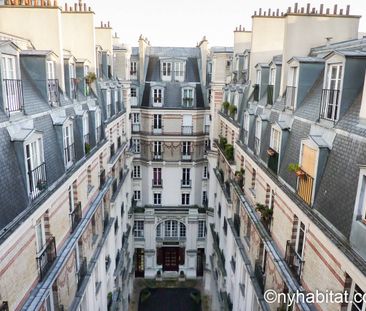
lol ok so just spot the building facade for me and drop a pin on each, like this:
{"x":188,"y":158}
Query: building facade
{"x":240,"y":166}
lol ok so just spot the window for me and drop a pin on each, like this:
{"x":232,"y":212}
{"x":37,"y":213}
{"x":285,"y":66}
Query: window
{"x":133,"y":68}
{"x":157,"y":122}
{"x":71,"y":199}
{"x":13,"y":96}
{"x":69,"y":153}
{"x":187,"y":97}
{"x":258,"y":77}
{"x":50,"y":70}
{"x":300,"y":240}
{"x":331,"y":95}
{"x":40,"y":235}
{"x":137,"y":195}
{"x":157,"y":94}
{"x":246,"y":128}
{"x":157,"y":198}
{"x":187,"y":126}
{"x":186,"y":150}
{"x":35,"y":167}
{"x":186,"y":177}
{"x":209,"y":94}
{"x":258,"y":134}
{"x":205,"y":172}
{"x":98,"y":124}
{"x":133,"y":92}
{"x":201,"y":228}
{"x":157,"y":176}
{"x":136,"y":171}
{"x":185,"y":198}
{"x":166,"y":71}
{"x":204,"y":198}
{"x":136,"y":145}
{"x":275,"y":139}
{"x":138,"y":228}
{"x":136,"y":118}
{"x":133,"y":96}
{"x":8,"y":66}
{"x":171,"y":228}
{"x":86,"y":129}
{"x":157,"y":150}
{"x":358,"y":302}
{"x":272,"y":76}
{"x":182,"y":230}
{"x":179,"y":71}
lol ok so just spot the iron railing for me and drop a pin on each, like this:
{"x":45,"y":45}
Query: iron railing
{"x":37,"y":181}
{"x":305,"y":187}
{"x":270,"y":95}
{"x":157,"y":156}
{"x":53,"y":92}
{"x":46,"y":257}
{"x":186,"y":183}
{"x":82,"y":271}
{"x":290,"y":97}
{"x":112,"y":150}
{"x":13,"y":95}
{"x":293,"y":260}
{"x":157,"y":183}
{"x":329,"y":104}
{"x":186,"y":157}
{"x":187,"y":130}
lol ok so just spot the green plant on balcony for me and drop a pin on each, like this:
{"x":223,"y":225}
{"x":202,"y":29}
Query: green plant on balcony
{"x":225,"y":106}
{"x":229,"y":152}
{"x":90,"y":78}
{"x":41,"y":185}
{"x":87,"y":148}
{"x":296,"y":168}
{"x":222,"y":142}
{"x":266,"y":213}
{"x":239,"y":177}
{"x":232,"y":110}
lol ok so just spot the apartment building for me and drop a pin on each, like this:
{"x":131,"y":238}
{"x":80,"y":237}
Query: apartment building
{"x":65,"y":233}
{"x":288,"y":202}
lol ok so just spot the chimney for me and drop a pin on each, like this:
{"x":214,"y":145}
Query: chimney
{"x":328,"y":11}
{"x":341,"y":12}
{"x":75,"y":7}
{"x":363,"y":104}
{"x":321,"y":8}
{"x":347,"y":10}
{"x":84,"y":7}
{"x":260,"y":11}
{"x":80,"y":5}
{"x":335,"y":9}
{"x":295,"y":7}
{"x":101,"y":24}
{"x":66,"y":7}
{"x":308,"y":8}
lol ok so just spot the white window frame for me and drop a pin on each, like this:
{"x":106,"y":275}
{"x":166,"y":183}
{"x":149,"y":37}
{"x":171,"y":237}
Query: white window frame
{"x":137,"y":195}
{"x":188,"y":94}
{"x":300,"y":229}
{"x":51,"y":70}
{"x":136,"y":147}
{"x":276,"y":144}
{"x":334,"y":84}
{"x":98,"y":124}
{"x":272,"y":76}
{"x":34,"y":160}
{"x":139,"y":229}
{"x":157,"y":96}
{"x":68,"y":140}
{"x":258,"y":76}
{"x":166,"y":70}
{"x":186,"y":198}
{"x":133,"y":68}
{"x":157,"y":198}
{"x":202,"y":230}
{"x":186,"y":150}
{"x":179,"y":70}
{"x":359,"y":298}
{"x":136,"y":171}
{"x":246,"y":127}
{"x":40,"y":240}
{"x":258,"y":135}
{"x":205,"y":172}
{"x":9,"y":61}
{"x":157,"y":123}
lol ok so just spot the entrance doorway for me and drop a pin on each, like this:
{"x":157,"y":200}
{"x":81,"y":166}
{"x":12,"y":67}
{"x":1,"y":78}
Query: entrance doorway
{"x":200,"y":261}
{"x":170,"y":258}
{"x":140,"y":262}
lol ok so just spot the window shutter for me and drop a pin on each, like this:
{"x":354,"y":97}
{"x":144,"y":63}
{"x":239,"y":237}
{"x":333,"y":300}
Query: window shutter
{"x":308,"y":160}
{"x":159,"y":255}
{"x":182,"y":252}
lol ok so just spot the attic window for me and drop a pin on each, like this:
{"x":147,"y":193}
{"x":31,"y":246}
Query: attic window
{"x":258,"y":134}
{"x":179,"y":70}
{"x":157,"y":97}
{"x":166,"y":71}
{"x":275,"y":139}
{"x":35,"y":166}
{"x":246,"y":128}
{"x":188,"y":97}
{"x":133,"y":68}
{"x":69,"y":146}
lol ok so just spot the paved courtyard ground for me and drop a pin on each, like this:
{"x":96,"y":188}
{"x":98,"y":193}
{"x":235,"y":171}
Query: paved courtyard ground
{"x":170,"y":299}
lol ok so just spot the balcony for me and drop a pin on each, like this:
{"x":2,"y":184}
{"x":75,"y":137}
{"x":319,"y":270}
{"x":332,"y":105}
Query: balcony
{"x":256,"y":92}
{"x":53,"y":92}
{"x":187,"y":130}
{"x":290,"y":97}
{"x":293,"y":260}
{"x":186,"y":157}
{"x":46,"y":257}
{"x":186,"y":183}
{"x":135,"y":128}
{"x":73,"y":88}
{"x":259,"y":274}
{"x":82,"y":271}
{"x":207,"y":129}
{"x":102,"y":179}
{"x":305,"y":187}
{"x":157,"y":156}
{"x":329,"y":104}
{"x":270,"y":95}
{"x":157,"y":183}
{"x":157,"y":130}
{"x":76,"y":216}
{"x":69,"y":154}
{"x":14,"y":100}
{"x":37,"y":181}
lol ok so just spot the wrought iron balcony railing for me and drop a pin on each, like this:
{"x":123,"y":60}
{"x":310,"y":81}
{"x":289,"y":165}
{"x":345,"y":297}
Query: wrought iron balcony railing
{"x":157,"y":183}
{"x":37,"y":181}
{"x":293,"y":260}
{"x":329,"y":104}
{"x":187,"y":130}
{"x":76,"y":216}
{"x":46,"y":257}
{"x":14,"y":100}
{"x":186,"y":183}
{"x":290,"y":97}
{"x":53,"y":92}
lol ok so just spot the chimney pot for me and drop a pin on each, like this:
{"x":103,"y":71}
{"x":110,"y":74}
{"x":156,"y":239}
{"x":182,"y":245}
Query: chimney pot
{"x":321,"y":8}
{"x":347,"y":10}
{"x":264,"y":13}
{"x":84,"y":7}
{"x":260,"y":11}
{"x":48,"y":3}
{"x":71,"y":10}
{"x":335,"y":9}
{"x":269,"y":12}
{"x":277,"y":12}
{"x":308,"y":8}
{"x":255,"y":13}
{"x":327,"y":11}
{"x":101,"y":24}
{"x":302,"y":10}
{"x":75,"y":7}
{"x":273,"y":13}
{"x":313,"y":11}
{"x":65,"y":7}
{"x":89,"y":9}
{"x":295,"y":7}
{"x":109,"y":24}
{"x":289,"y":9}
{"x":341,"y":12}
{"x":42,"y":3}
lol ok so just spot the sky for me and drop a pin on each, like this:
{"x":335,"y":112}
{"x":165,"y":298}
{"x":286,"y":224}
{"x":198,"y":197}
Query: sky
{"x":184,"y":23}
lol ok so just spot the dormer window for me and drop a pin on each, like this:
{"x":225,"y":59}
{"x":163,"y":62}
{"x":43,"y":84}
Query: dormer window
{"x":73,"y":81}
{"x":35,"y":166}
{"x":188,"y":97}
{"x":133,"y":96}
{"x":108,"y":103}
{"x":69,"y":148}
{"x":12,"y":86}
{"x":157,"y":97}
{"x":133,"y":68}
{"x":271,"y":86}
{"x":86,"y":137}
{"x":258,"y":135}
{"x":98,"y":126}
{"x":331,"y":93}
{"x":179,"y":69}
{"x":275,"y":139}
{"x":291,"y":89}
{"x":274,"y":149}
{"x":246,"y":128}
{"x":257,"y":84}
{"x":166,"y":71}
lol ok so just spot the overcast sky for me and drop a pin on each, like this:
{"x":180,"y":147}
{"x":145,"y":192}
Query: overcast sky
{"x":184,"y":22}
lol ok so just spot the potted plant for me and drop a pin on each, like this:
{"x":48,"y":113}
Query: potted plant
{"x":41,"y":185}
{"x":225,"y":106}
{"x":266,"y":213}
{"x":222,"y":142}
{"x":229,"y":152}
{"x":296,"y":168}
{"x":232,"y":110}
{"x":90,"y":78}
